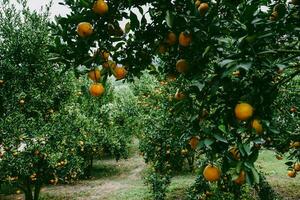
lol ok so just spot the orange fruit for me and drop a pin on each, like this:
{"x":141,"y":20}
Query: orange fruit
{"x":241,"y":179}
{"x":94,"y":75}
{"x":171,"y":38}
{"x":162,"y":48}
{"x":120,"y":73}
{"x":194,"y":141}
{"x":279,"y":157}
{"x":297,"y":167}
{"x":203,"y":8}
{"x":179,"y":95}
{"x":1,"y":82}
{"x":211,"y":173}
{"x":22,"y":101}
{"x":97,"y":89}
{"x":293,"y":109}
{"x":256,"y":124}
{"x":235,"y":153}
{"x":185,"y":39}
{"x":274,"y":16}
{"x":105,"y":55}
{"x":296,"y":144}
{"x":100,"y":7}
{"x":184,"y":152}
{"x":292,"y":173}
{"x":182,"y":66}
{"x":243,"y":111}
{"x":197,"y":3}
{"x":84,"y":29}
{"x":105,"y":65}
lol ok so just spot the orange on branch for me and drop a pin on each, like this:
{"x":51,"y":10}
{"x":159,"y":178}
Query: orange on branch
{"x":171,"y":38}
{"x":211,"y":173}
{"x":100,"y":7}
{"x":97,"y":89}
{"x":297,"y":167}
{"x":84,"y":29}
{"x":235,"y":153}
{"x":120,"y":73}
{"x":194,"y":141}
{"x":292,"y":173}
{"x":243,"y":111}
{"x":256,"y":124}
{"x":203,"y":8}
{"x":197,"y":3}
{"x":185,"y":39}
{"x":94,"y":75}
{"x":179,"y":95}
{"x":241,"y":178}
{"x":182,"y":66}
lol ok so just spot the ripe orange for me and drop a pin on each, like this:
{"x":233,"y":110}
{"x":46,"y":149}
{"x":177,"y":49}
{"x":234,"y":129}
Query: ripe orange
{"x":105,"y":65}
{"x":211,"y":173}
{"x":297,"y":167}
{"x":256,"y":124}
{"x":197,"y":3}
{"x":100,"y":7}
{"x":1,"y":82}
{"x":97,"y":89}
{"x":292,"y":173}
{"x":241,"y":179}
{"x":235,"y":153}
{"x":94,"y":75}
{"x":296,"y":144}
{"x":171,"y":38}
{"x":179,"y":95}
{"x":243,"y":111}
{"x":274,"y":16}
{"x":185,"y":39}
{"x":105,"y":55}
{"x":182,"y":66}
{"x":279,"y":157}
{"x":194,"y":141}
{"x":184,"y":152}
{"x":112,"y":64}
{"x":120,"y":73}
{"x":22,"y":101}
{"x":293,"y":109}
{"x":162,"y":48}
{"x":84,"y":29}
{"x":203,"y":8}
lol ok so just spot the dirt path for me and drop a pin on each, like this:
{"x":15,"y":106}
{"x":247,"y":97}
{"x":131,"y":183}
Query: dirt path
{"x":109,"y":177}
{"x":122,"y":175}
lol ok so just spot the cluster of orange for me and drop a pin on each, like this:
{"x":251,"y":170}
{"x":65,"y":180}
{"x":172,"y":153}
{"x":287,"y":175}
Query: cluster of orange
{"x":85,"y":29}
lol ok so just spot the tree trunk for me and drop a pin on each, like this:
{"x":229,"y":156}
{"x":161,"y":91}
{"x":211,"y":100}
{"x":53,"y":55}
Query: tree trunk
{"x":28,"y":193}
{"x":37,"y":190}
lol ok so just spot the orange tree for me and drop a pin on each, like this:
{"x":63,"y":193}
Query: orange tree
{"x":230,"y":59}
{"x":49,"y":133}
{"x":33,"y":147}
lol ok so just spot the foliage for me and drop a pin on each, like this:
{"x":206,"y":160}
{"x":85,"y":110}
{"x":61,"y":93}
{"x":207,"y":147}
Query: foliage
{"x":51,"y":128}
{"x":240,"y":51}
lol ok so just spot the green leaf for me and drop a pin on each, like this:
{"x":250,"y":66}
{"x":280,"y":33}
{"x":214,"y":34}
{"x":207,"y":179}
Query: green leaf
{"x":222,"y":128}
{"x":255,"y":175}
{"x":247,"y":149}
{"x":208,"y":142}
{"x":169,"y":19}
{"x":220,"y":138}
{"x":134,"y":21}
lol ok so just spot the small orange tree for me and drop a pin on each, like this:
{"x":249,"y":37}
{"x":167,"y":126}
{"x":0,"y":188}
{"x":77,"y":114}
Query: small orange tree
{"x":228,"y":57}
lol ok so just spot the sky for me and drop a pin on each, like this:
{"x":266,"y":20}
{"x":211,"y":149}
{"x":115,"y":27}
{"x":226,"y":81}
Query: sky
{"x":56,"y":9}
